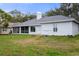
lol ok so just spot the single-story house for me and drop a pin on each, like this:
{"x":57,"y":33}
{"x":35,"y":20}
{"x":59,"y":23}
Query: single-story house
{"x":52,"y":25}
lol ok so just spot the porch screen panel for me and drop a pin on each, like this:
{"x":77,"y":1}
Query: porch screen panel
{"x":24,"y":30}
{"x":15,"y":29}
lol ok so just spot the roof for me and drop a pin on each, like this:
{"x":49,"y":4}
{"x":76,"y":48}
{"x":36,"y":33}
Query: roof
{"x":33,"y":22}
{"x":14,"y":24}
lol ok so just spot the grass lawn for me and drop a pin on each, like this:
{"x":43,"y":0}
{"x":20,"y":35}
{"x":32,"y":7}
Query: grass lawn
{"x":30,"y":45}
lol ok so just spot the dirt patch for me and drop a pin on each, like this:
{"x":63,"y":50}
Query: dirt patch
{"x":42,"y":43}
{"x":27,"y":41}
{"x":56,"y":45}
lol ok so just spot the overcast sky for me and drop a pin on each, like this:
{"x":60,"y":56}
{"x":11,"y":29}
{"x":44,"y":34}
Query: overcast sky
{"x":29,"y":7}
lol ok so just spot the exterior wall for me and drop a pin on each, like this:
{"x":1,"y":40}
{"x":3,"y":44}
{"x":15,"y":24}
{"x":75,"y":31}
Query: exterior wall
{"x":13,"y":31}
{"x":37,"y":30}
{"x":64,"y":28}
{"x":19,"y":31}
{"x":7,"y":31}
{"x":75,"y":28}
{"x":47,"y":29}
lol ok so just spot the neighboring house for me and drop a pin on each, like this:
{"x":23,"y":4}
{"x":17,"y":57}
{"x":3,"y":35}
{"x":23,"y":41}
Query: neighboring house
{"x":7,"y":30}
{"x":52,"y":25}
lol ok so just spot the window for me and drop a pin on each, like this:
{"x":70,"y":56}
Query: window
{"x":32,"y":29}
{"x":4,"y":29}
{"x":15,"y":29}
{"x":24,"y":29}
{"x":55,"y":28}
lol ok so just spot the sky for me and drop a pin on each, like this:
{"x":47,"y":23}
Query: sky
{"x":29,"y":7}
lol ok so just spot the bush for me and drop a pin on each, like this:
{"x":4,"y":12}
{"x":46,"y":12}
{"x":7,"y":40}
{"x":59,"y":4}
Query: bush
{"x":70,"y":36}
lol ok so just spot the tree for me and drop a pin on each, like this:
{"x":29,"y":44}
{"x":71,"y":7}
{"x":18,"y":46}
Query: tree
{"x":32,"y":16}
{"x":17,"y":16}
{"x":20,"y":17}
{"x":28,"y":17}
{"x":53,"y":12}
{"x":70,"y":9}
{"x":66,"y":9}
{"x":5,"y":18}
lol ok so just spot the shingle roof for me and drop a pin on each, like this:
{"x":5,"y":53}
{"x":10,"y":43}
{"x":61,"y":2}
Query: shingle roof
{"x":14,"y":24}
{"x":58,"y":18}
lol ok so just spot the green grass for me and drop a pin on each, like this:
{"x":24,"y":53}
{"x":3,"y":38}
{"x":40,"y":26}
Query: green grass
{"x":31,"y":45}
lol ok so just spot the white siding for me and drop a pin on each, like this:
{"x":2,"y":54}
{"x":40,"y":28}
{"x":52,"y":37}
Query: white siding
{"x":75,"y":28}
{"x":37,"y":30}
{"x":64,"y":28}
{"x":6,"y":32}
{"x":47,"y":29}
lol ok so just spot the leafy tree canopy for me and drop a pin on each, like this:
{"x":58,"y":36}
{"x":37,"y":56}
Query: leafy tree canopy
{"x":4,"y":18}
{"x":66,"y":9}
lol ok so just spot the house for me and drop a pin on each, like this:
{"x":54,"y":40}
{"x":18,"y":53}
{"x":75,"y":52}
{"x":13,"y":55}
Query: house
{"x":4,"y":30}
{"x":52,"y":25}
